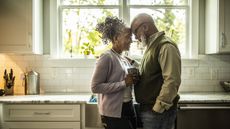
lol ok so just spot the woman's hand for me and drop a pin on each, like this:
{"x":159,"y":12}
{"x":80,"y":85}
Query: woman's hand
{"x":129,"y":80}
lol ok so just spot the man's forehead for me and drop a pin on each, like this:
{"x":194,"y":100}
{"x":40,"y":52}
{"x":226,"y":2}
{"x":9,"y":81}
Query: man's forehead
{"x":136,"y":23}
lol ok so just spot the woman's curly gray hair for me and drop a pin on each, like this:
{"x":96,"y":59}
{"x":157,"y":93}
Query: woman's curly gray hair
{"x":111,"y":27}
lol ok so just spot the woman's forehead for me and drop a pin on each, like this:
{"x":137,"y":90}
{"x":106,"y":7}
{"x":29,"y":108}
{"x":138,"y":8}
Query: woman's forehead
{"x":127,"y":30}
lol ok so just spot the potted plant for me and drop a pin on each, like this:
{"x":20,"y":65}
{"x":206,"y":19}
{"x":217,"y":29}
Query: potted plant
{"x":87,"y":49}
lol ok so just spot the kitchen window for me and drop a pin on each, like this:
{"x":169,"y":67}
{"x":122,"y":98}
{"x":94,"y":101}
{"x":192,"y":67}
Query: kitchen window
{"x":78,"y":18}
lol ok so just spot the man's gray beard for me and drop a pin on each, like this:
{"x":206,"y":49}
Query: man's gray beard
{"x":143,"y":41}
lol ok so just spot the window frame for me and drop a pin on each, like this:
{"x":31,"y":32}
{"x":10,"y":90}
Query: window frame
{"x":192,"y":24}
{"x":62,"y":7}
{"x":185,"y":7}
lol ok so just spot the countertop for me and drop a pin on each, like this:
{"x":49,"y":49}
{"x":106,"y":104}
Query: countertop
{"x":204,"y":97}
{"x":46,"y":99}
{"x":185,"y":97}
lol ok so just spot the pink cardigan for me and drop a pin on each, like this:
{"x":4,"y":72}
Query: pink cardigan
{"x":108,"y":82}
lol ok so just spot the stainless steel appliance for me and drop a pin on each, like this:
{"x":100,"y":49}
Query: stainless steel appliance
{"x":32,"y":83}
{"x":203,"y":116}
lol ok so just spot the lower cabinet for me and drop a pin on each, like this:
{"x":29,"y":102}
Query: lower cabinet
{"x":42,"y":125}
{"x":203,"y":116}
{"x":42,"y":116}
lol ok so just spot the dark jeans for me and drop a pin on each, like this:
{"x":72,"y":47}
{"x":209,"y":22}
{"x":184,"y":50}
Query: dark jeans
{"x":153,"y":120}
{"x":127,"y":120}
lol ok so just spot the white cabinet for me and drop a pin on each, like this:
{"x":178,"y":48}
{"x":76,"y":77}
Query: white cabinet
{"x":21,"y":26}
{"x":42,"y":125}
{"x":217,"y":26}
{"x":42,"y":116}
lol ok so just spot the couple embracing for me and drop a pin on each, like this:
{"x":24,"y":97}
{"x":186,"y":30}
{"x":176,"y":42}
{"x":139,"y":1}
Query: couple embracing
{"x":155,"y":86}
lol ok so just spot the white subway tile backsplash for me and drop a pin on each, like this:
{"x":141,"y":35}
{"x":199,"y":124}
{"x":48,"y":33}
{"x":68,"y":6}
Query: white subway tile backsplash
{"x":202,"y":73}
{"x":79,"y":88}
{"x":50,"y":89}
{"x":29,"y":58}
{"x":86,"y":70}
{"x":224,"y":76}
{"x":50,"y":82}
{"x":214,"y":73}
{"x":66,"y":83}
{"x":42,"y":57}
{"x":84,"y":82}
{"x":43,"y":64}
{"x":85,"y":76}
{"x":76,"y":71}
{"x":84,"y":88}
{"x":46,"y":76}
{"x":224,"y":73}
{"x":63,"y":76}
{"x":188,"y":73}
{"x":64,"y":70}
{"x":190,"y":62}
{"x":74,"y":75}
{"x":45,"y":70}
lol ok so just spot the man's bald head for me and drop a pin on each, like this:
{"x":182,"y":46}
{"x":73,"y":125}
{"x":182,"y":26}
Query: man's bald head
{"x":140,"y":19}
{"x":147,"y":25}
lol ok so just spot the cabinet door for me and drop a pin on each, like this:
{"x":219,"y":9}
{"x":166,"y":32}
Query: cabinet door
{"x":42,"y":125}
{"x":18,"y":21}
{"x":217,"y":26}
{"x":224,"y":26}
{"x":28,"y":112}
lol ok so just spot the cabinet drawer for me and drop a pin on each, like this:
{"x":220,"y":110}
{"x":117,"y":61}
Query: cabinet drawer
{"x":42,"y":125}
{"x":24,"y":112}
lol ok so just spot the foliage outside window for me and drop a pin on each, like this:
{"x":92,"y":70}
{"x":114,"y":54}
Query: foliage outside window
{"x":79,"y":18}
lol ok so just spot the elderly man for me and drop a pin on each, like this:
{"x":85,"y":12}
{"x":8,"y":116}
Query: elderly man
{"x":160,"y":71}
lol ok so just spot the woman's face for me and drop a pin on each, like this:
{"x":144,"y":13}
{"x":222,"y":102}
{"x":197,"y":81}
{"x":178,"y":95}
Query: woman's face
{"x":125,"y":39}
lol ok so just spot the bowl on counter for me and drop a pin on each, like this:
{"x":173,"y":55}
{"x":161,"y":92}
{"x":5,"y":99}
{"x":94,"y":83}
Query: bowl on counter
{"x":225,"y":85}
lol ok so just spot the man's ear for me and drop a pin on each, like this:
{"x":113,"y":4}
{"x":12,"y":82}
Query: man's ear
{"x":145,"y":28}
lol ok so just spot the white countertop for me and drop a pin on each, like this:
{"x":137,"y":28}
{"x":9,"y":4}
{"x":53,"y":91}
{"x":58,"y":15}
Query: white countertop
{"x":81,"y":98}
{"x":204,"y":97}
{"x":188,"y":97}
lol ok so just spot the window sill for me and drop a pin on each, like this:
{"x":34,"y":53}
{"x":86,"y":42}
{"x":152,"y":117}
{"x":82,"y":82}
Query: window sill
{"x":79,"y":57}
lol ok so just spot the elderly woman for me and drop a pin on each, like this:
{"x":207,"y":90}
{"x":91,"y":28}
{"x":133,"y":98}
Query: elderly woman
{"x":111,"y":79}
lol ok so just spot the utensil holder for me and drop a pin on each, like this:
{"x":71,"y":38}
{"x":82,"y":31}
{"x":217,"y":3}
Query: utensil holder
{"x":8,"y":90}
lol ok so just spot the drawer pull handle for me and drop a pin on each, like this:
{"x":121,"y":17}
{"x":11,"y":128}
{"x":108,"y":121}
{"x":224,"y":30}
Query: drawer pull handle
{"x":41,"y":113}
{"x":222,"y":39}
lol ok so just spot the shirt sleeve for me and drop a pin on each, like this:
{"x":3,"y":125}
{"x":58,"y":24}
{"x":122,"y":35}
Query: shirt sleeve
{"x":99,"y":82}
{"x":170,"y":62}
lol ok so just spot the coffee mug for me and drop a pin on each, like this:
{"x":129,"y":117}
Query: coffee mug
{"x":133,"y":71}
{"x":135,"y":74}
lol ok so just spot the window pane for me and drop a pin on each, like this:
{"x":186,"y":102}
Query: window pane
{"x":90,"y":2}
{"x":78,"y":27}
{"x":172,"y":21}
{"x":159,"y":2}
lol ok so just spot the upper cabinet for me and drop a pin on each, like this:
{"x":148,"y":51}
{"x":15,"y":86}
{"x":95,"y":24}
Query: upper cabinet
{"x":21,"y":26}
{"x":217,"y":26}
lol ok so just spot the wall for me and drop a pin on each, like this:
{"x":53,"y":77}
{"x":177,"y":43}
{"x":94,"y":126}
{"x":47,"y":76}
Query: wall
{"x":70,"y":76}
{"x":62,"y":76}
